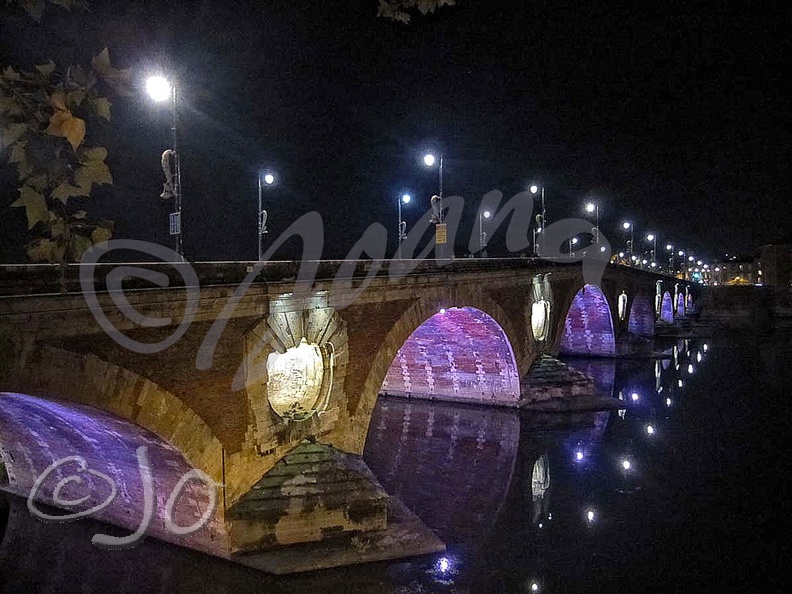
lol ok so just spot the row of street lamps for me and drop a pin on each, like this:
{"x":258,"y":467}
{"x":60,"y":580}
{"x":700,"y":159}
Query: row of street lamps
{"x":161,"y":90}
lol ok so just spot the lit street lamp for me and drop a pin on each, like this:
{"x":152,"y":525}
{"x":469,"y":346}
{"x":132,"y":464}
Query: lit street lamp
{"x":631,"y":226}
{"x":572,"y":242}
{"x":402,"y":235}
{"x":437,"y":204}
{"x":541,"y":219}
{"x":160,"y":90}
{"x":482,"y":235}
{"x":652,"y":238}
{"x":592,"y":207}
{"x":670,"y":250}
{"x":268,"y":179}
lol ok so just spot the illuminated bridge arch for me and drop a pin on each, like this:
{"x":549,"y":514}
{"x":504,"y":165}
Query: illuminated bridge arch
{"x":35,"y":433}
{"x":642,"y":316}
{"x":667,"y":308}
{"x":680,"y":309}
{"x":588,"y":326}
{"x":459,"y":353}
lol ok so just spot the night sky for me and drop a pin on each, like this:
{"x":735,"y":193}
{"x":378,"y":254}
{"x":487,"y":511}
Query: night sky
{"x":673,"y":114}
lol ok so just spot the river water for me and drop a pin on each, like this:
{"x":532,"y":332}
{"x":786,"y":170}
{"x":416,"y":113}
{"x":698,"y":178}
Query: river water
{"x":682,"y":489}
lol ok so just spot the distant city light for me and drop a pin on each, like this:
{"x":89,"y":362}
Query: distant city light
{"x":591,"y":516}
{"x":429,"y":160}
{"x":650,"y":430}
{"x":626,"y":225}
{"x":578,"y":455}
{"x":626,"y":465}
{"x":406,"y":198}
{"x":444,"y":564}
{"x":443,"y":311}
{"x":534,"y":189}
{"x":269,"y":179}
{"x":668,"y":402}
{"x":635,"y":397}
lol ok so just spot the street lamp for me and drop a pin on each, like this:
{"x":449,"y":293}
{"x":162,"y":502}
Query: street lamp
{"x":670,"y":250}
{"x":429,"y":160}
{"x":592,"y":207}
{"x":572,"y":242}
{"x":652,"y":238}
{"x":161,"y":89}
{"x":268,"y":179}
{"x":482,"y":235}
{"x":402,"y":235}
{"x":631,"y":226}
{"x":541,"y":221}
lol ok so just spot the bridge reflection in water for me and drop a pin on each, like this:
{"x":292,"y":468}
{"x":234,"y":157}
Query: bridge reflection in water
{"x":522,"y":499}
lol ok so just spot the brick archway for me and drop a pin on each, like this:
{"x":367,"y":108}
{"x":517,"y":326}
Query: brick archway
{"x":37,"y":432}
{"x":91,"y":381}
{"x":667,"y":308}
{"x":642,"y":317}
{"x":588,"y":325}
{"x":459,"y":354}
{"x":680,"y":310}
{"x":523,"y":347}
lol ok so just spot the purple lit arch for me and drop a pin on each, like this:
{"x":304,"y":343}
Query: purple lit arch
{"x":667,"y":308}
{"x":642,"y":317}
{"x":459,"y":354}
{"x":588,"y":327}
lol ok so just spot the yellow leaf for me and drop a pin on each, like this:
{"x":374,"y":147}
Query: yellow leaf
{"x":46,"y":69}
{"x":64,"y":124}
{"x":9,"y":105}
{"x":74,"y":98}
{"x":41,"y":250}
{"x":58,"y":100}
{"x":17,"y":154}
{"x":93,"y":170}
{"x":65,"y":191}
{"x":102,"y":108}
{"x":101,"y":234}
{"x":35,"y":205}
{"x":117,"y":79}
{"x":10,"y":74}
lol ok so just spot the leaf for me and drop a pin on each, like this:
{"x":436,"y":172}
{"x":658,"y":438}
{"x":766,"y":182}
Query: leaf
{"x":58,"y":226}
{"x":93,"y":170}
{"x":78,"y":244}
{"x":63,"y":123}
{"x":17,"y":154}
{"x":10,"y":107}
{"x":11,"y":133}
{"x":37,"y":182}
{"x":46,"y":69}
{"x":10,"y":74}
{"x":58,"y":100}
{"x":102,"y":107}
{"x":117,"y":79}
{"x":65,"y":191}
{"x":41,"y":250}
{"x":101,"y":234}
{"x":35,"y":205}
{"x":74,"y":98}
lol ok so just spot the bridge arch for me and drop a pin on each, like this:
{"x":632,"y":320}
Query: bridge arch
{"x":459,"y":353}
{"x":88,"y":380}
{"x":588,"y":325}
{"x":667,"y":308}
{"x":36,"y":433}
{"x":465,"y":300}
{"x":642,"y":317}
{"x":680,"y":305}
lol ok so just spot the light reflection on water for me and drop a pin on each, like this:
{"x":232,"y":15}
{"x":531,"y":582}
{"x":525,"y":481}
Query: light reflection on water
{"x":526,"y":502}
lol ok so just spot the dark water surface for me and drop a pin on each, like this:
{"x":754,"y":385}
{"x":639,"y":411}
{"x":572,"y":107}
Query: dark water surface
{"x":528,"y":503}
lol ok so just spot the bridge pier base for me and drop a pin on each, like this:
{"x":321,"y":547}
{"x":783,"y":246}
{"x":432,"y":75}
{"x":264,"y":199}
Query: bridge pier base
{"x":320,"y":507}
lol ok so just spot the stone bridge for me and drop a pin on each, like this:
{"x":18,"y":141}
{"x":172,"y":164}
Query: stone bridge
{"x":269,"y":388}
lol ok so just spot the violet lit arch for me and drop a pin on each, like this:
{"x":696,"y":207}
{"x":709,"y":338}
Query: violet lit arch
{"x":458,"y":354}
{"x":680,"y":309}
{"x":35,"y":432}
{"x":641,"y":321}
{"x":667,"y":308}
{"x":588,"y":325}
{"x":522,"y":347}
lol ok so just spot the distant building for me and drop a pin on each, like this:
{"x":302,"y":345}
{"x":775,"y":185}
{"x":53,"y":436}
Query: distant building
{"x":737,"y":272}
{"x":776,"y":265}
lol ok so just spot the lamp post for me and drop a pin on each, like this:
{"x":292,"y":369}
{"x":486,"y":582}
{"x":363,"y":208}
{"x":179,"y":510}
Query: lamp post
{"x":161,"y":89}
{"x":482,"y":235}
{"x":652,"y":238}
{"x":670,"y":250}
{"x":268,"y":179}
{"x":429,"y":160}
{"x":631,"y":226}
{"x":541,"y":222}
{"x":403,"y":199}
{"x":572,"y":242}
{"x":593,"y":207}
